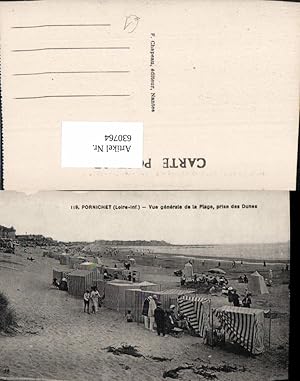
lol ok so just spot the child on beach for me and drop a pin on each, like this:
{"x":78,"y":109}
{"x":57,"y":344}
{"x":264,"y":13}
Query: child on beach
{"x":129,"y":317}
{"x":86,"y":301}
{"x":95,"y":299}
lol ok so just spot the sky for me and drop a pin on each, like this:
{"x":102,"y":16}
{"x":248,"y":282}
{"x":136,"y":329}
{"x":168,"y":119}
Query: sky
{"x":50,"y":214}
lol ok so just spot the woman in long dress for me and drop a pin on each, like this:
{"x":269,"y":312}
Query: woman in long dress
{"x":94,"y":299}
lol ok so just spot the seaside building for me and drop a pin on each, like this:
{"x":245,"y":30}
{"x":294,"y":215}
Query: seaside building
{"x":6,"y":232}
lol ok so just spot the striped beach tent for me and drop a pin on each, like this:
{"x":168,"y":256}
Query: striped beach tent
{"x":196,"y":310}
{"x":244,"y":326}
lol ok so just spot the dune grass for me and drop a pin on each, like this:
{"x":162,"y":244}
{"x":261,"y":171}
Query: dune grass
{"x":8,"y":318}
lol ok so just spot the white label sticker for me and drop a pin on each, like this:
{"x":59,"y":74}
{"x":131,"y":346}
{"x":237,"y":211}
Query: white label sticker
{"x":102,"y":144}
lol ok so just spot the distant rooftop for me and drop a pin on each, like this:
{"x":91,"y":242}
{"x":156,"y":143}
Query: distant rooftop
{"x":11,"y":229}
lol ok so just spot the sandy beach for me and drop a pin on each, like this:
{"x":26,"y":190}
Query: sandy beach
{"x":56,"y":340}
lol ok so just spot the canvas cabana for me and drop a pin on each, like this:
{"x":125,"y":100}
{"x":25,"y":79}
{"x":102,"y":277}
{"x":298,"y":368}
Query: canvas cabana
{"x":115,"y":293}
{"x":257,"y":284}
{"x":135,"y":299}
{"x":59,"y":274}
{"x":132,"y":302}
{"x":196,"y":310}
{"x":244,"y":326}
{"x":64,"y":259}
{"x":75,"y":261}
{"x":188,"y":271}
{"x":79,"y":281}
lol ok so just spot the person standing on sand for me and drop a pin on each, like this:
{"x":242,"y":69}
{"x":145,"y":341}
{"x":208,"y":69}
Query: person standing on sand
{"x":235,"y":299}
{"x":95,"y":299}
{"x":86,"y":301}
{"x":247,"y":301}
{"x":270,"y":274}
{"x":171,"y":319}
{"x":148,"y":311}
{"x":145,"y":312}
{"x":152,"y":306}
{"x":160,"y":319}
{"x":230,"y":292}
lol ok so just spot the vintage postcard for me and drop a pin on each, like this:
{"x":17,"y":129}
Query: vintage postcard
{"x":144,"y":286}
{"x":100,"y":94}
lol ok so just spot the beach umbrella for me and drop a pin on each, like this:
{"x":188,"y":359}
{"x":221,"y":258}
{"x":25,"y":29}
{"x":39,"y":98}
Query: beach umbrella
{"x":217,"y":271}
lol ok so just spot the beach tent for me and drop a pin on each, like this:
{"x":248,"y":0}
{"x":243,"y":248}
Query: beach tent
{"x":115,"y":293}
{"x":256,"y":284}
{"x":132,"y":303}
{"x":79,"y":281}
{"x":59,"y":274}
{"x":64,"y":259}
{"x":135,"y":298}
{"x":188,"y":271}
{"x":74,"y":261}
{"x":244,"y":326}
{"x":97,"y":274}
{"x":196,"y":310}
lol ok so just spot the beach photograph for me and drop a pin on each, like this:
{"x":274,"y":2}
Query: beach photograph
{"x":160,"y":285}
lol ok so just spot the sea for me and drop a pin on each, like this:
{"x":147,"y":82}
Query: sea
{"x":275,"y":252}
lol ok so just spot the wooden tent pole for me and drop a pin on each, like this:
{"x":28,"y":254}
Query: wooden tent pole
{"x":270,"y":323}
{"x":136,"y":312}
{"x":252,"y":339}
{"x":212,"y":326}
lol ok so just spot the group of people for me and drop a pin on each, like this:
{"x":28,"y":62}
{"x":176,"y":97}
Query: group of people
{"x":91,"y":298}
{"x":62,"y":285}
{"x":127,"y":265}
{"x":131,"y":276}
{"x":206,"y":280}
{"x":243,"y":279}
{"x":165,"y":320}
{"x":234,"y":298}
